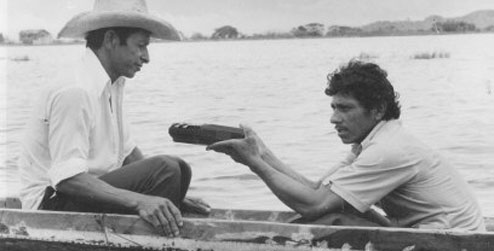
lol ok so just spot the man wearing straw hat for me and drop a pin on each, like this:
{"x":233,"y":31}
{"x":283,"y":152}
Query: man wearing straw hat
{"x":77,"y":154}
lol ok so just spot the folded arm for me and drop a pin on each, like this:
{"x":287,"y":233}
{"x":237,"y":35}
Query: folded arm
{"x":70,"y":123}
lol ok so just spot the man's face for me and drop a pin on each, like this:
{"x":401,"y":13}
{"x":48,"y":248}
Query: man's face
{"x":129,"y":59}
{"x":352,"y":121}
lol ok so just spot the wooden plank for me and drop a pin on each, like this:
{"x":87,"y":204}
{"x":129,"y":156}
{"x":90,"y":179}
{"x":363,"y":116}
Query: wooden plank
{"x":248,"y":215}
{"x":226,"y":214}
{"x":96,"y":231}
{"x":324,"y":236}
{"x":10,"y":202}
{"x":229,"y":214}
{"x":118,"y":231}
{"x":276,"y":216}
{"x":15,"y":244}
{"x":489,"y":224}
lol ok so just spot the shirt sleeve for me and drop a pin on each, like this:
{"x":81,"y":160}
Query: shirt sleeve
{"x":325,"y":180}
{"x":374,"y":174}
{"x":69,"y":119}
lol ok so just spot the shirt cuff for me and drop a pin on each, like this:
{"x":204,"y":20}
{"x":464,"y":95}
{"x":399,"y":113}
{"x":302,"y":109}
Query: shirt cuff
{"x":66,"y":169}
{"x":349,"y":198}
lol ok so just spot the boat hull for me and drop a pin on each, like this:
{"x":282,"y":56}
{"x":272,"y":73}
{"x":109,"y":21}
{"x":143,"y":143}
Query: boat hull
{"x":47,"y":230}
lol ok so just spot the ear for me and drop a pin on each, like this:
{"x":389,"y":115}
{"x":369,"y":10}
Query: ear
{"x":110,"y":39}
{"x":378,"y":113}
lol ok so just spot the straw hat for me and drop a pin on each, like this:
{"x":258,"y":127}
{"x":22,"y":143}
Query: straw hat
{"x":118,"y":13}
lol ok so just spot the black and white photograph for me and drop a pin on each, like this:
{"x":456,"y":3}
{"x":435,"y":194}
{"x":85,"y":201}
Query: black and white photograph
{"x":247,"y":125}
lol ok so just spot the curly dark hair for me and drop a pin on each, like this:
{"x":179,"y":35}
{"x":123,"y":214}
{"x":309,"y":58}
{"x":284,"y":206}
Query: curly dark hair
{"x":94,"y":39}
{"x":368,"y":84}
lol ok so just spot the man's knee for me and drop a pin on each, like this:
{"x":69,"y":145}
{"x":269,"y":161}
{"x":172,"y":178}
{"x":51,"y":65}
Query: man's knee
{"x":171,"y":165}
{"x":172,"y":175}
{"x":165,"y":164}
{"x":185,"y":169}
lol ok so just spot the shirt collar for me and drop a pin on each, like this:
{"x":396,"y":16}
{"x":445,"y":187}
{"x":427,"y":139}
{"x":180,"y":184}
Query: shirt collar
{"x":98,"y":78}
{"x":357,"y":148}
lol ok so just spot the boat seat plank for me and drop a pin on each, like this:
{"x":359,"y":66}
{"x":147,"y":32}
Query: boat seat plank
{"x":230,"y":214}
{"x":114,"y":230}
{"x":10,"y":202}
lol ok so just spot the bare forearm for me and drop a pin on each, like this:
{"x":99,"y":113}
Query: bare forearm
{"x":158,"y":211}
{"x":93,"y":190}
{"x":306,"y":200}
{"x":276,"y":163}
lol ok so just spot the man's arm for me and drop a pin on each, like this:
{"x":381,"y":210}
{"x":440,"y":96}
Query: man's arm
{"x":273,"y":161}
{"x":277,"y":164}
{"x":160,"y":212}
{"x":70,"y":123}
{"x":308,"y":198}
{"x":310,"y":202}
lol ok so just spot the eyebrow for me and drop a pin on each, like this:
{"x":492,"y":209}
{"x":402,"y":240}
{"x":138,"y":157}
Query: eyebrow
{"x":341,"y":105}
{"x":143,"y":41}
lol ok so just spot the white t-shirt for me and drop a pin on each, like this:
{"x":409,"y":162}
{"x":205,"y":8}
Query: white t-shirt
{"x":75,"y":128}
{"x":409,"y":181}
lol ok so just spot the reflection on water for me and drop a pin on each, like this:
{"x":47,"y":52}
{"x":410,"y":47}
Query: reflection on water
{"x":277,"y":88}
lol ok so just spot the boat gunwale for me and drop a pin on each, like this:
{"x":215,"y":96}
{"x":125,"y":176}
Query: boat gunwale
{"x":209,"y":230}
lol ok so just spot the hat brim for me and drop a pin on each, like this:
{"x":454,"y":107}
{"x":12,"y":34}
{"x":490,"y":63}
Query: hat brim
{"x":81,"y":24}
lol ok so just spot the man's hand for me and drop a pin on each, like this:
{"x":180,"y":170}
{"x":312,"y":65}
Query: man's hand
{"x":161,"y":213}
{"x":245,"y":151}
{"x":195,"y":206}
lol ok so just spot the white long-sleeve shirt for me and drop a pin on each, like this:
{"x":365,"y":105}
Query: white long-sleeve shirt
{"x":77,"y":127}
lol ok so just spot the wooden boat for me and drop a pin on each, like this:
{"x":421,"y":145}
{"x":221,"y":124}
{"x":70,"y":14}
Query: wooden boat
{"x":22,"y":230}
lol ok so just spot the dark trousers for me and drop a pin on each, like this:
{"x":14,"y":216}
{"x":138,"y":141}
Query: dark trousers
{"x":163,"y":176}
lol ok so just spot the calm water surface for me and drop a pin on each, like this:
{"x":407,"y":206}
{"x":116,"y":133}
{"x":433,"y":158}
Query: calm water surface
{"x":276,"y":86}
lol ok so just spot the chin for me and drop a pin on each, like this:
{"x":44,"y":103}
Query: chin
{"x":130,"y":75}
{"x":346,"y":141}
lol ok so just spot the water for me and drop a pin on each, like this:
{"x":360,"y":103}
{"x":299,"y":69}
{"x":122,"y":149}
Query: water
{"x":276,"y":86}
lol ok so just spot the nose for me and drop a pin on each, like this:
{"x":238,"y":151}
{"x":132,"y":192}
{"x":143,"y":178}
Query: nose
{"x":145,"y":56}
{"x":335,"y":118}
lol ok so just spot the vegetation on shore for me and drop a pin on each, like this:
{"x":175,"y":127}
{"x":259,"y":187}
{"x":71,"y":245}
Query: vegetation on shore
{"x":475,"y":22}
{"x":431,"y":55}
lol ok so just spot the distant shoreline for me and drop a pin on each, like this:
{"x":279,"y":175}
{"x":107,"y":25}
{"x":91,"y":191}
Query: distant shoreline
{"x":477,"y":22}
{"x":57,"y":43}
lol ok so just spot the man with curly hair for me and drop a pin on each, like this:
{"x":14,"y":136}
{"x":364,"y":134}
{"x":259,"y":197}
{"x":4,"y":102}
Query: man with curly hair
{"x":387,"y":167}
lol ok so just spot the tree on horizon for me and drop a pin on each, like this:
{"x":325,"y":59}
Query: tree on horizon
{"x":225,"y":32}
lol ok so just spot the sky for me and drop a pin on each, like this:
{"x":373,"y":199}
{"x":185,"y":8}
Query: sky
{"x":248,"y":16}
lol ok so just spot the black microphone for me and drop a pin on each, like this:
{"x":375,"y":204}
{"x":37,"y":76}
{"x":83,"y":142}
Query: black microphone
{"x":205,"y":134}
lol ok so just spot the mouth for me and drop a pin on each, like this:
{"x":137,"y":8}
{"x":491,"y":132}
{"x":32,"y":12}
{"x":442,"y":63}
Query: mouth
{"x":341,"y":130}
{"x":138,"y":66}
